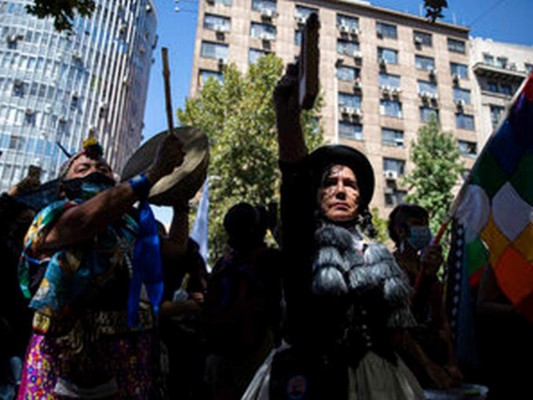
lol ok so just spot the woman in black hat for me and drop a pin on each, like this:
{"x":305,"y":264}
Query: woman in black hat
{"x":346,"y":296}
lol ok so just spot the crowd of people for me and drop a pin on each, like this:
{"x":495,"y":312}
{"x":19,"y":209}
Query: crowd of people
{"x":99,"y":301}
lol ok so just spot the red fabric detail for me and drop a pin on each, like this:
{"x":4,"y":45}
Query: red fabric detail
{"x":515,"y":277}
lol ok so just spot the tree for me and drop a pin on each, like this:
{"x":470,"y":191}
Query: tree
{"x":238,"y":116}
{"x":62,"y":11}
{"x":434,"y":8}
{"x":437,"y":168}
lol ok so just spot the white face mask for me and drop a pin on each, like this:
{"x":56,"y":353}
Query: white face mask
{"x":419,"y":237}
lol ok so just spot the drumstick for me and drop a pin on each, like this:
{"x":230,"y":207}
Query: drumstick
{"x":168,"y":100}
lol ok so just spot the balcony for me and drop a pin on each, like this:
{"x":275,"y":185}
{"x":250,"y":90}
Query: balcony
{"x":500,"y":74}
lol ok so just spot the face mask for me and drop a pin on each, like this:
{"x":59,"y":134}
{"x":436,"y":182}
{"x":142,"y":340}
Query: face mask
{"x":419,"y":237}
{"x":87,"y":187}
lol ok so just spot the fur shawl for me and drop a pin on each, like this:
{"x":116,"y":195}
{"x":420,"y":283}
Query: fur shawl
{"x":344,"y":265}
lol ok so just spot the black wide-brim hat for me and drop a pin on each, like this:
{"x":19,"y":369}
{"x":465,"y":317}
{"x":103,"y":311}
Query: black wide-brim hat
{"x":327,"y":156}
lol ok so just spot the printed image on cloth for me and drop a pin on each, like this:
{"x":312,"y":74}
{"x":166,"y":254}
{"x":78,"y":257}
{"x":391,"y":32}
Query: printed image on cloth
{"x":74,"y":274}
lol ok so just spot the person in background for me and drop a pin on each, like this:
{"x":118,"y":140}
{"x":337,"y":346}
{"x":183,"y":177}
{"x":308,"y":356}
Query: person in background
{"x":179,"y":320}
{"x":242,"y":314}
{"x":15,"y":317}
{"x":90,"y":265}
{"x":427,"y":348}
{"x":346,"y":297}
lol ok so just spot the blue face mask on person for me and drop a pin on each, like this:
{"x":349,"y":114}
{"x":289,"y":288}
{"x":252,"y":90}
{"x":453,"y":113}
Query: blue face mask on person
{"x":87,"y":187}
{"x":419,"y":237}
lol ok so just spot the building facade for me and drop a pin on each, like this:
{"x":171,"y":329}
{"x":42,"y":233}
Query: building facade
{"x":61,"y":88}
{"x":383,"y":74}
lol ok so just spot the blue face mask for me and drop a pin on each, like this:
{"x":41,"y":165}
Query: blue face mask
{"x":87,"y":187}
{"x":419,"y":237}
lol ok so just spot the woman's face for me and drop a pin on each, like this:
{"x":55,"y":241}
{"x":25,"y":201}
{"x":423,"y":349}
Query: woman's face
{"x":338,"y":195}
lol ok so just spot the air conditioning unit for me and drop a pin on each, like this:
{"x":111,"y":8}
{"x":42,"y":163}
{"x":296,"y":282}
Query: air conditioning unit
{"x":76,"y":56}
{"x":354,"y":31}
{"x":385,"y":90}
{"x":267,"y":13}
{"x":18,"y":83}
{"x":29,"y":111}
{"x":357,"y":112}
{"x":396,"y":91}
{"x":460,"y":103}
{"x":357,"y":84}
{"x":432,"y":73}
{"x":48,"y":108}
{"x":62,"y":120}
{"x":344,"y":28}
{"x":424,"y":95}
{"x":417,"y":40}
{"x":382,"y":62}
{"x":456,"y":78}
{"x":390,"y":175}
{"x":346,"y":110}
{"x":265,"y":36}
{"x":300,"y":20}
{"x":357,"y":54}
{"x":220,"y":28}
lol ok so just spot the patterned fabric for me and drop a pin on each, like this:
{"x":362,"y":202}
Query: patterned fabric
{"x":126,"y":359}
{"x":496,"y":206}
{"x":73,"y":274}
{"x":83,"y":346}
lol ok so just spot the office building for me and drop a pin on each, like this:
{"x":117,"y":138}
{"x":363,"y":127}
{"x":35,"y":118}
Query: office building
{"x":383,"y":74}
{"x":60,"y":87}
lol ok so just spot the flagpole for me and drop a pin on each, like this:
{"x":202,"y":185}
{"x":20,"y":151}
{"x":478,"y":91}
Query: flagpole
{"x":455,"y":204}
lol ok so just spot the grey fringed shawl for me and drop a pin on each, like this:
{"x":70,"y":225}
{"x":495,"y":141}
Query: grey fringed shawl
{"x":342,"y":265}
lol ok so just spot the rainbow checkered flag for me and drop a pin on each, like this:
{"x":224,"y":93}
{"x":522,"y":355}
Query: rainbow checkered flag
{"x":495,"y":205}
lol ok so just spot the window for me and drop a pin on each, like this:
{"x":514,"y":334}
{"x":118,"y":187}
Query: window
{"x":301,"y":13}
{"x":502,"y":62}
{"x":350,"y":130}
{"x":488,"y":59}
{"x":348,"y":47}
{"x":391,"y":108}
{"x":502,"y":88}
{"x":461,"y":70}
{"x":466,"y":148}
{"x":345,"y":73}
{"x":262,"y":5}
{"x":422,"y":39}
{"x":394,"y":164}
{"x":392,"y":81}
{"x":214,"y":50}
{"x":217,"y":23}
{"x":223,"y":2}
{"x":461,"y":94}
{"x":384,"y":30}
{"x":464,"y":121}
{"x":351,"y":23}
{"x":349,"y":100}
{"x":298,"y":37}
{"x":393,"y":196}
{"x":428,"y":114}
{"x":205,"y":75}
{"x":496,"y":113}
{"x":263,"y":31}
{"x":528,"y":67}
{"x":427,"y":87}
{"x":392,"y":137}
{"x":254,"y":55}
{"x":389,"y":55}
{"x":456,"y":46}
{"x":425,"y":63}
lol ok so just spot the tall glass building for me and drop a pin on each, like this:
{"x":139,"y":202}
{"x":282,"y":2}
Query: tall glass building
{"x":60,"y":87}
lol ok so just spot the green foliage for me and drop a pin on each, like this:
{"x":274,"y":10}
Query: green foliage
{"x":437,"y":168}
{"x":380,"y":225}
{"x":238,"y":117}
{"x":62,"y":11}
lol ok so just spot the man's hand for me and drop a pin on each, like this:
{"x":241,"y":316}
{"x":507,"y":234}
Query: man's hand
{"x":169,"y":156}
{"x":29,"y":183}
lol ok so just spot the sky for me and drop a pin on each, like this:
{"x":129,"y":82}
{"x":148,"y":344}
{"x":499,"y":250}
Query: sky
{"x":507,"y":21}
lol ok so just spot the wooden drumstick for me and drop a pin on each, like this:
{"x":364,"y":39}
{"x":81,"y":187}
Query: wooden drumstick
{"x":168,"y":99}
